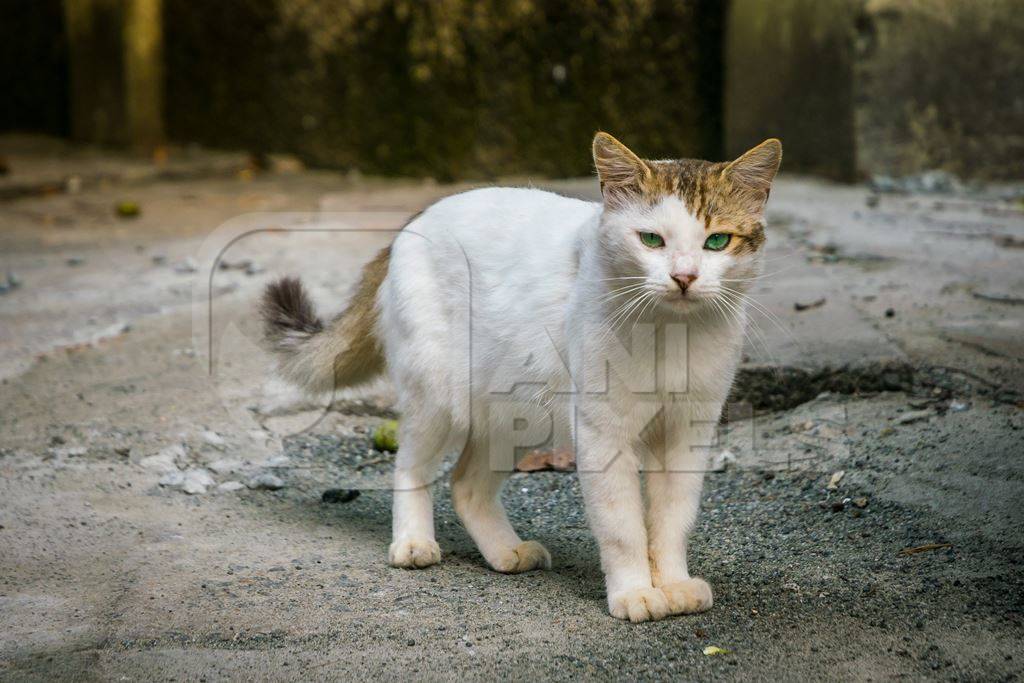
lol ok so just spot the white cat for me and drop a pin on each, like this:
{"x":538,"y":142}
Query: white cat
{"x":503,"y":315}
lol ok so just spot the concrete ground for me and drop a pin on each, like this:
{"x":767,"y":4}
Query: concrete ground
{"x":128,"y":358}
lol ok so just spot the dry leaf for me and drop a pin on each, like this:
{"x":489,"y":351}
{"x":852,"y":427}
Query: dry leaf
{"x":560,"y":460}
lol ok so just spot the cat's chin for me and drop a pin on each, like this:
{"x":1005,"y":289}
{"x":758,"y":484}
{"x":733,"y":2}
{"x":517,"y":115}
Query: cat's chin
{"x":684,"y":303}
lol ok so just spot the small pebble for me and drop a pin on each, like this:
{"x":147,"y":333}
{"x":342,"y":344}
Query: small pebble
{"x":187,"y":265}
{"x":267,"y":482}
{"x":339,"y":495}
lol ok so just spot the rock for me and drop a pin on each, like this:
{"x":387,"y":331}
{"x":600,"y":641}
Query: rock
{"x":833,"y":482}
{"x":213,"y":438}
{"x":860,"y":502}
{"x":158,"y":259}
{"x":165,"y":460}
{"x":74,"y":261}
{"x":890,"y":313}
{"x":339,"y":495}
{"x":838,"y":506}
{"x":914,"y":416}
{"x":172,"y":479}
{"x":196,"y":480}
{"x":185,"y":266}
{"x":958,"y":406}
{"x":13,"y":281}
{"x":229,"y":486}
{"x":266,"y":481}
{"x":225,"y":465}
{"x":278,"y":461}
{"x":254,"y":269}
{"x":723,"y":460}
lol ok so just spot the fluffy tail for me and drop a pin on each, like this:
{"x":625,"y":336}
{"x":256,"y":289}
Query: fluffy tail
{"x":319,"y":358}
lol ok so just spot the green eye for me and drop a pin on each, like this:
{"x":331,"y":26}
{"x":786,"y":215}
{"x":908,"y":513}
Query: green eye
{"x":717,"y":241}
{"x":652,"y":239}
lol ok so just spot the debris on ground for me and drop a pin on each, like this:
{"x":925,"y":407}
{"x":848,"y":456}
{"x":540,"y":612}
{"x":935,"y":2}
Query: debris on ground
{"x":537,"y":460}
{"x":927,"y":547}
{"x":714,"y":650}
{"x":196,"y":481}
{"x":956,"y":406}
{"x":213,"y":439}
{"x":339,"y":495}
{"x":385,"y":436}
{"x":186,"y":265}
{"x":915,"y":416}
{"x":999,"y":298}
{"x":723,"y":461}
{"x":164,"y":461}
{"x":225,"y":465}
{"x":267,"y":482}
{"x":127,"y":209}
{"x":833,"y":482}
{"x":817,"y":303}
{"x":11,"y":283}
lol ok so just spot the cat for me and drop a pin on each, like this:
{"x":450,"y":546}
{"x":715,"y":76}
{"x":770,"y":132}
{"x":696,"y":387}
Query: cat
{"x":504,"y":315}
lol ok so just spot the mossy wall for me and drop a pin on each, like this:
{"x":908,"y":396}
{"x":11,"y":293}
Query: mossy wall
{"x":862,"y":87}
{"x":940,"y":84}
{"x":789,"y":74}
{"x":449,"y":88}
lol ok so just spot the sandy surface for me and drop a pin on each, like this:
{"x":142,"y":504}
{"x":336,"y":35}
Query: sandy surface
{"x":908,"y":378}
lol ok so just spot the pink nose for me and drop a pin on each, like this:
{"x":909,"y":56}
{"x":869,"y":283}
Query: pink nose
{"x":684,"y":280}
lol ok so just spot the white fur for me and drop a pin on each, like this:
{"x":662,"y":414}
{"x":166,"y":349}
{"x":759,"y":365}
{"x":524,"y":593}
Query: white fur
{"x":500,"y":303}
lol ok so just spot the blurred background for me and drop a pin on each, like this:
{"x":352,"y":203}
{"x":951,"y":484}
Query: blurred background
{"x":460,"y":89}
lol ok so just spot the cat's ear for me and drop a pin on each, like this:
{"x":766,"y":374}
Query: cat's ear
{"x":622,"y":173}
{"x":750,"y":176}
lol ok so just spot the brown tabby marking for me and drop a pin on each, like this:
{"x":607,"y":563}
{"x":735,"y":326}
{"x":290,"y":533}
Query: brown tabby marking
{"x":728,"y":196}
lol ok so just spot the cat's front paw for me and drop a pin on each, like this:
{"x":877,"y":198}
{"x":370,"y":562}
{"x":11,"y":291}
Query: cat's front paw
{"x":689,"y":596}
{"x":524,"y":557}
{"x":414,"y":553}
{"x":640,"y":604}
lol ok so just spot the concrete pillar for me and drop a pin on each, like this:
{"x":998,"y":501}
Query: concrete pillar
{"x":789,"y":74}
{"x":115,"y":56}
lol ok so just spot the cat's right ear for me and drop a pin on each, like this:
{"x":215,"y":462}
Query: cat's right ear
{"x":622,"y":173}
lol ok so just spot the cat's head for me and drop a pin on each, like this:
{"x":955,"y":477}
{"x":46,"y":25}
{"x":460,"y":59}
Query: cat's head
{"x":685,"y":233}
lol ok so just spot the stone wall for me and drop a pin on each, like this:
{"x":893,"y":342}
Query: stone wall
{"x":450,"y":89}
{"x":789,"y":74}
{"x":862,"y":87}
{"x":940,"y":84}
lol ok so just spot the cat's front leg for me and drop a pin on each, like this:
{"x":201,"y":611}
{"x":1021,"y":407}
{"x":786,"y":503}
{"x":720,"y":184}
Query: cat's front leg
{"x":675,"y":477}
{"x":609,"y":477}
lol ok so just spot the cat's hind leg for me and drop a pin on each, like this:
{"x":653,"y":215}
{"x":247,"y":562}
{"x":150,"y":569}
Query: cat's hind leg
{"x":423,"y":435}
{"x":476,"y":495}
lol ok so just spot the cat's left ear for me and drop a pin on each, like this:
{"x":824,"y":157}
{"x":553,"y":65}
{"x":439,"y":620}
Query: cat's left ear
{"x":623,"y":174}
{"x":752,"y":174}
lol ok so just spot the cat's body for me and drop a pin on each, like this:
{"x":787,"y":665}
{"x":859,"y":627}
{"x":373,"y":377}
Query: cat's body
{"x":503,"y":315}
